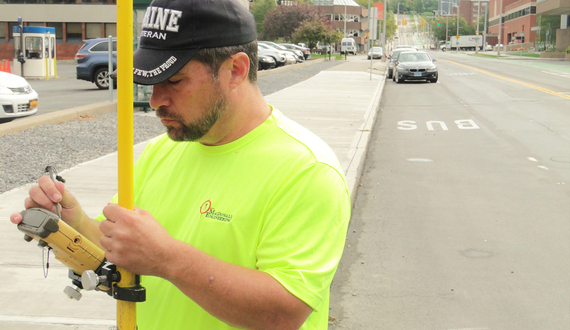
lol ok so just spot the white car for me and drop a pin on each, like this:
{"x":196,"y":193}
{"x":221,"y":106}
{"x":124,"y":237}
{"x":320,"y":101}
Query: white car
{"x":17,"y":97}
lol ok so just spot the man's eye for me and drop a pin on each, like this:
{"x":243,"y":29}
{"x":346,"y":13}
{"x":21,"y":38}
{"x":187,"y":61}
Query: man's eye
{"x":174,"y":82}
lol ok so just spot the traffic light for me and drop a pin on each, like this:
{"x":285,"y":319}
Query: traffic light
{"x":438,"y":22}
{"x":454,"y":21}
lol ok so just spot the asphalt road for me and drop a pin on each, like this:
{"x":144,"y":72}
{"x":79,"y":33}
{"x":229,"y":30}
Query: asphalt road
{"x":462,"y":217}
{"x":66,"y":91}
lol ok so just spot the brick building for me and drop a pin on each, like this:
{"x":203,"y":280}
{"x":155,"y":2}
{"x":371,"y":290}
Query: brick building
{"x":518,"y":17}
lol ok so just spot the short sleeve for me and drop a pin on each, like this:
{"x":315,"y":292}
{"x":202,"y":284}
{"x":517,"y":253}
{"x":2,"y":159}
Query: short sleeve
{"x":304,"y":232}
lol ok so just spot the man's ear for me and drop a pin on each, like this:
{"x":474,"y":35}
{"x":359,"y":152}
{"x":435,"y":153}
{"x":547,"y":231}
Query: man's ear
{"x":238,"y":64}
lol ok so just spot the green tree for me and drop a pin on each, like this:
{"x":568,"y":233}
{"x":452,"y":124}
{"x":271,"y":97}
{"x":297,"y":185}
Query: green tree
{"x":259,"y":9}
{"x":282,"y":21}
{"x":310,"y":32}
{"x":439,"y":31}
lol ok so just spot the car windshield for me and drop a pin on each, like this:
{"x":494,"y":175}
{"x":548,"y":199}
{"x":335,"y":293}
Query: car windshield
{"x":376,"y":49}
{"x":395,"y":54}
{"x":265,"y":46}
{"x":413,"y":57}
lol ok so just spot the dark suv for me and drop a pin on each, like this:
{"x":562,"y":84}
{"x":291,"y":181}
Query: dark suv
{"x":93,"y":61}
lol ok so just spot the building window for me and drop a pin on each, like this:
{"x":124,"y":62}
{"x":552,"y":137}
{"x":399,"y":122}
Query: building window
{"x":58,"y":31}
{"x":92,"y":30}
{"x":2,"y":32}
{"x":10,"y":31}
{"x":110,"y":29}
{"x":73,"y":35}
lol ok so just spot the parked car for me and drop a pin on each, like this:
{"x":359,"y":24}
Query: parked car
{"x":279,"y":57}
{"x":265,"y":62}
{"x":289,"y":57}
{"x":415,"y":66}
{"x":375,"y":52}
{"x":306,"y":52}
{"x":93,"y":61}
{"x":17,"y":97}
{"x":299,"y":57}
{"x":394,"y":58}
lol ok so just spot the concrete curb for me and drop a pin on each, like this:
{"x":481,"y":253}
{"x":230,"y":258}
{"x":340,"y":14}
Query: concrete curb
{"x":57,"y":117}
{"x":356,"y":167}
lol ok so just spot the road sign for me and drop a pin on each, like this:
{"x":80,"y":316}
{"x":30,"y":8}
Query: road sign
{"x":535,"y":28}
{"x":457,"y":37}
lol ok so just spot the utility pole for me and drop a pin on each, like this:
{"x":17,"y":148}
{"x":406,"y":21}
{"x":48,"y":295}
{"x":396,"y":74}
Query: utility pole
{"x":345,"y":21}
{"x":447,"y":30}
{"x":500,"y":28}
{"x":478,"y":24}
{"x":384,"y":30}
{"x":485,"y":28}
{"x":457,"y":35}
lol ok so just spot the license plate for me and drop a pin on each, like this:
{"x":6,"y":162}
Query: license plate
{"x":417,"y":74}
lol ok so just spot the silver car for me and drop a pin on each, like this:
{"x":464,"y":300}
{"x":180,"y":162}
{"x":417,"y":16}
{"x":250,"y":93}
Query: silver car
{"x":299,"y":57}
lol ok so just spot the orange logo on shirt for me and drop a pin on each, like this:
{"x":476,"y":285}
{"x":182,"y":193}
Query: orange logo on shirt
{"x":206,"y":207}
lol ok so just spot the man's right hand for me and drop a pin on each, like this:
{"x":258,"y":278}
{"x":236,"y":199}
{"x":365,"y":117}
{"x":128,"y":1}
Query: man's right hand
{"x":45,"y":195}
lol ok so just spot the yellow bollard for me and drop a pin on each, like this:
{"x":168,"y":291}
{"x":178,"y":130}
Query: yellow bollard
{"x":55,"y":68}
{"x":47,"y":69}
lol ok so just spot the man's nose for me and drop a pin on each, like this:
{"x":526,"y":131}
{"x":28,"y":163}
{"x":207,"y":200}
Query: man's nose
{"x":159,"y":96}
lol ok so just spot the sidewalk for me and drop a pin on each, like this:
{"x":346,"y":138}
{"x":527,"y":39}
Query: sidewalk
{"x":339,"y":105}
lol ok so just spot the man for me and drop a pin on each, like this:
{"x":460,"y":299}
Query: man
{"x":241,"y":214}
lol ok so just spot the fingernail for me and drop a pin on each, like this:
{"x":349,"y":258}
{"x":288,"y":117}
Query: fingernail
{"x":56,"y":197}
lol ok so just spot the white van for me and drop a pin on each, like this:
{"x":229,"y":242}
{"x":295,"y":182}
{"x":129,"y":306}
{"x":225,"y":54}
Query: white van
{"x":348,"y":45}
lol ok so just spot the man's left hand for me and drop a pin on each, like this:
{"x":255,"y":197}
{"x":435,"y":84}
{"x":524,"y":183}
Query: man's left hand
{"x":134,"y":240}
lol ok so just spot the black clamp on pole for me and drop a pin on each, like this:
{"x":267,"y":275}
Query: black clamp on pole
{"x":136,"y":293}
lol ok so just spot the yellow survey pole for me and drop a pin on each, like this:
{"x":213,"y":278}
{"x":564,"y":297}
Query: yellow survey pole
{"x":126,"y":310}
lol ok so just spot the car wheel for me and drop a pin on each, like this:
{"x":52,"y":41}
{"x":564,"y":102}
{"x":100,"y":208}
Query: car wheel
{"x":389,"y":74}
{"x":398,"y":79}
{"x":102,"y":78}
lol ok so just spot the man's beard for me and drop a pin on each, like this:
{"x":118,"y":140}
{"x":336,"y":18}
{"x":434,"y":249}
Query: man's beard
{"x":196,"y":130}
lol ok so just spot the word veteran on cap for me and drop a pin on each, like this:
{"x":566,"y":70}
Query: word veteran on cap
{"x":156,"y":18}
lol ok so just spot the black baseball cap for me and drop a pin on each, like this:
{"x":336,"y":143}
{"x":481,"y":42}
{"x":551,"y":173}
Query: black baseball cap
{"x":174,"y":30}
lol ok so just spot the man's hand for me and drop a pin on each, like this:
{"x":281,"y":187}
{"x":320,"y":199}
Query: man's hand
{"x":45,"y":195}
{"x":134,"y":240}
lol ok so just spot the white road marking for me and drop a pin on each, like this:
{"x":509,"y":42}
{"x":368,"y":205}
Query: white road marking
{"x":425,"y":160}
{"x":559,"y":74}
